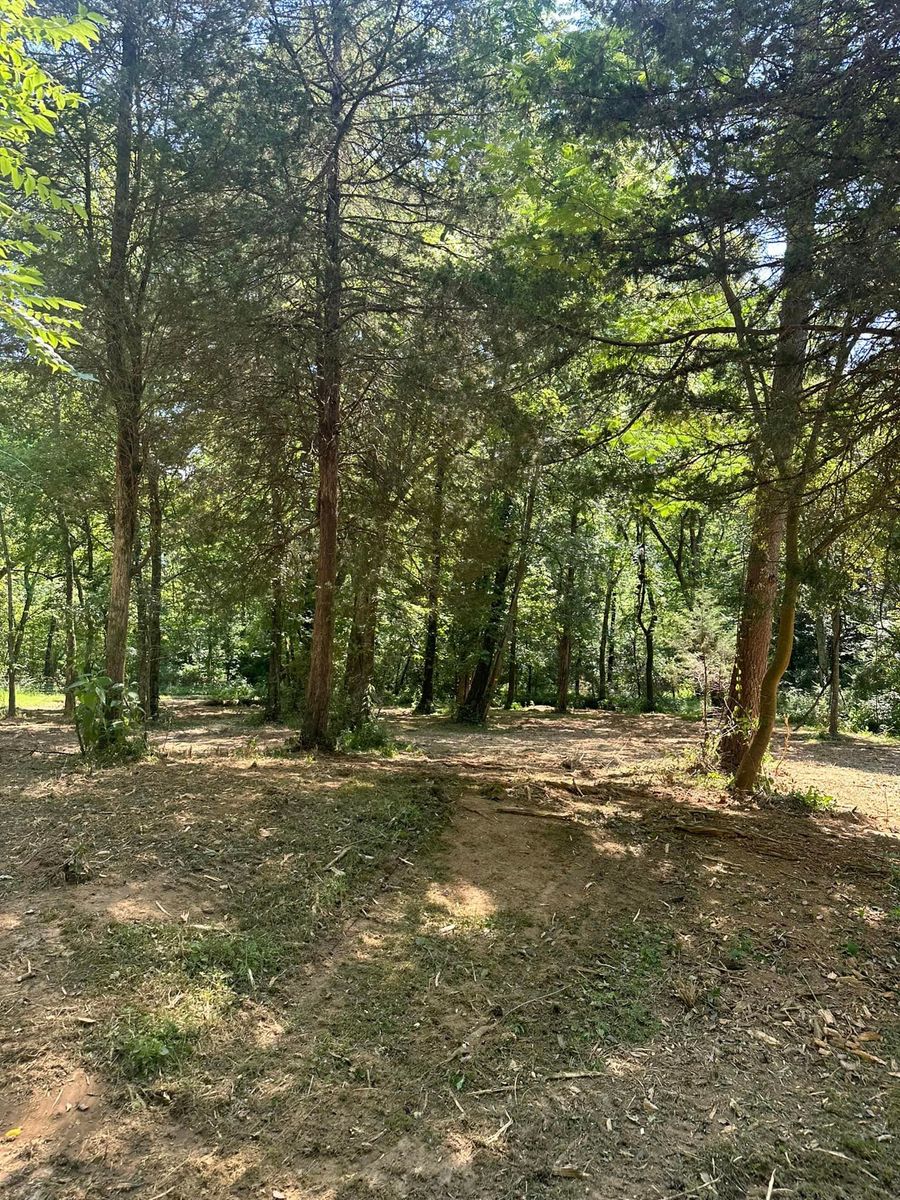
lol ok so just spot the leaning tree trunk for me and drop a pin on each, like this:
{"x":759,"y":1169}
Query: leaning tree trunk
{"x":751,"y":764}
{"x":10,"y":620}
{"x":835,"y":694}
{"x":123,"y":359}
{"x":315,"y":728}
{"x":429,"y":660}
{"x":754,"y":630}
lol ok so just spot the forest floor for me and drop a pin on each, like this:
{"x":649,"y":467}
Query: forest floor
{"x":540,"y":960}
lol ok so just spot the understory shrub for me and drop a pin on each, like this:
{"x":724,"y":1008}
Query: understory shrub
{"x":108,"y":720}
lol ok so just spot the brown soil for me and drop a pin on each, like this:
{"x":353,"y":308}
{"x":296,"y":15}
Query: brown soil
{"x":627,"y":987}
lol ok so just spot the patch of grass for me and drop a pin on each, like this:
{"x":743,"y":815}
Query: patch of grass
{"x":860,"y":1169}
{"x":292,"y":870}
{"x":34,"y":700}
{"x":238,"y":958}
{"x":494,"y":995}
{"x":143,"y":1046}
{"x":618,"y":997}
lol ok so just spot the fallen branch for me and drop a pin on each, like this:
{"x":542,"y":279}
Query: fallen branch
{"x":534,"y":812}
{"x":577,"y":1075}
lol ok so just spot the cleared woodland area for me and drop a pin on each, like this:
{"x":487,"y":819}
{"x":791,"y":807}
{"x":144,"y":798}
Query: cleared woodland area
{"x":542,"y":960}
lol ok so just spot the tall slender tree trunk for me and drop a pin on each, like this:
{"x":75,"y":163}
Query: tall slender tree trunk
{"x":751,"y":764}
{"x":85,"y":585}
{"x":123,"y":358}
{"x":646,"y":601}
{"x":513,"y":676}
{"x":834,"y":704}
{"x":10,"y":620}
{"x":315,"y":728}
{"x":50,"y":653}
{"x":276,"y":649}
{"x":563,"y":670}
{"x":274,"y":691}
{"x":71,"y":649}
{"x":429,"y":660}
{"x":822,"y":649}
{"x":154,"y":593}
{"x":754,"y":629}
{"x":564,"y":641}
{"x":602,"y":666}
{"x":611,"y":661}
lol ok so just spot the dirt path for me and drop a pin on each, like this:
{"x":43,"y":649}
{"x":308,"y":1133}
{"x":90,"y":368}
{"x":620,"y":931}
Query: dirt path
{"x":598,"y":980}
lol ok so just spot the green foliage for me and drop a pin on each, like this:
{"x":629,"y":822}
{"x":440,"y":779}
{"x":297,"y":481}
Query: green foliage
{"x":369,"y":735}
{"x":738,"y":950}
{"x":32,"y":103}
{"x":145,"y":1045}
{"x":108,"y":720}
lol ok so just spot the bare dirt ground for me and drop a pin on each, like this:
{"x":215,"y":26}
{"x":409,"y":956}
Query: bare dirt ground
{"x":540,"y":960}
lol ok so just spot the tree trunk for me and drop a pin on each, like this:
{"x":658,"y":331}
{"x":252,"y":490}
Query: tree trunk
{"x":754,"y":629}
{"x":429,"y":661}
{"x":645,"y":598}
{"x":71,"y":649}
{"x":276,"y":650}
{"x":563,"y":670}
{"x":822,"y":649}
{"x":315,"y":728}
{"x":611,"y":657}
{"x":154,"y":594}
{"x":835,"y":694}
{"x":602,"y":671}
{"x":513,"y":677}
{"x":564,"y":642}
{"x":360,"y":668}
{"x":123,"y":358}
{"x":140,"y":597}
{"x":474,"y":709}
{"x":50,"y":653}
{"x":649,"y":689}
{"x":85,"y":585}
{"x":751,"y":764}
{"x":10,"y":621}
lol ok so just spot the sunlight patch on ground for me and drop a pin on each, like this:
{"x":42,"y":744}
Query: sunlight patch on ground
{"x":462,"y":899}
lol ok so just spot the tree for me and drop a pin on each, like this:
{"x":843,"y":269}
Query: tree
{"x":33,"y":102}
